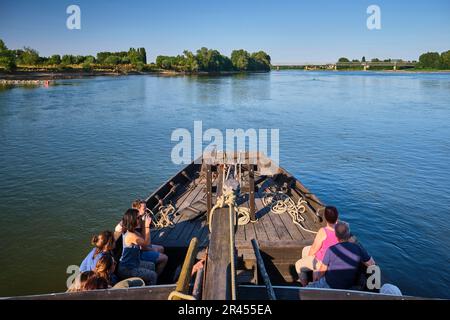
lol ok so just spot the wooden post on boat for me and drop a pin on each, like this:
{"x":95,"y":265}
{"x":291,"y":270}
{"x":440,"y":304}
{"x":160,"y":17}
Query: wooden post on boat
{"x":208,"y":191}
{"x":251,"y":182}
{"x":182,"y":288}
{"x":218,"y":271}
{"x":218,"y":264}
{"x":263,"y":271}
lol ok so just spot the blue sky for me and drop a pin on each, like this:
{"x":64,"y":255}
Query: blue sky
{"x":291,"y":31}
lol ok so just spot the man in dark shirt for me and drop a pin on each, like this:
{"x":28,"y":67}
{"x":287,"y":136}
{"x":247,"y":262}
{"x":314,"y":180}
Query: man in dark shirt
{"x":341,"y":262}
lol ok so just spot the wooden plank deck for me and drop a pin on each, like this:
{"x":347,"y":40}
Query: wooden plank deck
{"x":269,"y":227}
{"x":181,"y":233}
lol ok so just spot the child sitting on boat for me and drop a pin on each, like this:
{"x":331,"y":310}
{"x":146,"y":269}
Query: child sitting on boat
{"x":313,"y":255}
{"x":105,"y":268}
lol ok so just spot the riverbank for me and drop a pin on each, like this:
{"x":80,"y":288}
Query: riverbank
{"x":411,"y":71}
{"x":48,"y":75}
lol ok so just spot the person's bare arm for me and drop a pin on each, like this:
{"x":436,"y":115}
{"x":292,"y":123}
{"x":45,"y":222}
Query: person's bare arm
{"x":369,"y":263}
{"x":144,"y":242}
{"x":118,"y":230}
{"x":317,"y":244}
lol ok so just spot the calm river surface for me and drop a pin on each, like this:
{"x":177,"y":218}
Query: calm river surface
{"x":375,"y":145}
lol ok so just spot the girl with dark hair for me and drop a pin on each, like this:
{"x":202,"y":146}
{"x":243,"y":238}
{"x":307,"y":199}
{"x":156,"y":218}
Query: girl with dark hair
{"x":153,"y":253}
{"x":105,"y":268}
{"x":131,"y":264}
{"x":103,"y":243}
{"x":95,"y":283}
{"x":80,"y":281}
{"x":313,"y":255}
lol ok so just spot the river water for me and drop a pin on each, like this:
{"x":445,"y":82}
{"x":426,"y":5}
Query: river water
{"x":375,"y":145}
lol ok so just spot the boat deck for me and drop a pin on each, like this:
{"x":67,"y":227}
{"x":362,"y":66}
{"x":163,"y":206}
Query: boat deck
{"x":270,"y":227}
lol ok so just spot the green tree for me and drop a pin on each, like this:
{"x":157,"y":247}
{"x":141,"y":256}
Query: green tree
{"x":217,"y":62}
{"x":67,"y":59}
{"x":240,"y":59}
{"x":112,"y":60}
{"x":126,"y":60}
{"x":101,"y":56}
{"x":445,"y":60}
{"x":54,"y":59}
{"x":261,"y":61}
{"x":89,"y":59}
{"x":2,"y":46}
{"x":78,"y":59}
{"x":143,"y":55}
{"x":7,"y":57}
{"x":363,"y":59}
{"x":202,"y":58}
{"x":163,"y":62}
{"x":430,"y":60}
{"x":375,"y":60}
{"x":29,"y":56}
{"x":191,"y":61}
{"x":87,"y":66}
{"x":343,"y":59}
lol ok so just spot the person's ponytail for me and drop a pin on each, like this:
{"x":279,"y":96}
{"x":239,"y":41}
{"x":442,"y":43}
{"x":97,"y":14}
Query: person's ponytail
{"x":107,"y":243}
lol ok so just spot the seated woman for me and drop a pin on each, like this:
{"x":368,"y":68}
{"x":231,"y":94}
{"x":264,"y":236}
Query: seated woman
{"x":104,"y":242}
{"x":313,"y":255}
{"x":341,"y":263}
{"x":152,"y":252}
{"x":131,"y":264}
{"x":105,"y":268}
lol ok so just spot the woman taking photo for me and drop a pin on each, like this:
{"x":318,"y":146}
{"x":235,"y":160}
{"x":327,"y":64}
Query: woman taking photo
{"x":130,"y":263}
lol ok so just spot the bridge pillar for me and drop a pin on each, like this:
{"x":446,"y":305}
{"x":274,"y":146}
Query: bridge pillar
{"x":365,"y":67}
{"x":335,"y":67}
{"x":395,"y":67}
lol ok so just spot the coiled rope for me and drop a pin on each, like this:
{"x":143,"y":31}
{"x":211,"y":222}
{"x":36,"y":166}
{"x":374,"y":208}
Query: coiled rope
{"x":229,"y":199}
{"x":163,"y":218}
{"x":280,"y":203}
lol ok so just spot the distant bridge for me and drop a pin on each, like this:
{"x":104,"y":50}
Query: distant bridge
{"x":395,"y":65}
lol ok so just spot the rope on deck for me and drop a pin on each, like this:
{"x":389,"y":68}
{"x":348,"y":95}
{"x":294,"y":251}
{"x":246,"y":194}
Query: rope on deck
{"x":162,"y":218}
{"x":229,"y":199}
{"x":279,"y":203}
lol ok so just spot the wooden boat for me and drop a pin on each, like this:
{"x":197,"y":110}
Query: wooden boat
{"x":250,"y":255}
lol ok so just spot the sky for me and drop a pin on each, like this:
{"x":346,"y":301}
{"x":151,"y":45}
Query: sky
{"x":291,"y":31}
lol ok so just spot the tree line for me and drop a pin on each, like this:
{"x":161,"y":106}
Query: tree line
{"x":10,"y":59}
{"x":204,"y":59}
{"x":209,"y":60}
{"x":434,"y":60}
{"x":429,"y":60}
{"x":363,"y":59}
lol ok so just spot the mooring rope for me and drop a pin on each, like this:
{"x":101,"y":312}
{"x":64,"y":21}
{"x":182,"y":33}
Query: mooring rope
{"x":280,"y":203}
